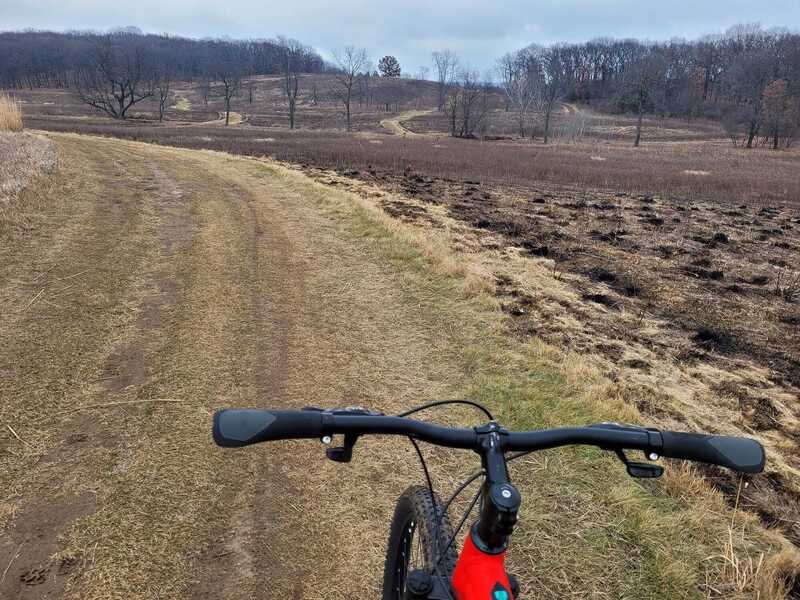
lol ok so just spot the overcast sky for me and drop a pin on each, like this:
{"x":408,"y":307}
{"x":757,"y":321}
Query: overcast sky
{"x":478,"y":30}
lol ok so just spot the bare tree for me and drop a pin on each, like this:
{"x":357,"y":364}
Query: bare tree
{"x":553,"y":82}
{"x":467,"y":105}
{"x":251,"y":88}
{"x":446,"y":65}
{"x":205,"y":89}
{"x":365,"y":91}
{"x":117,"y":77}
{"x":350,"y":62}
{"x":230,"y":82}
{"x":779,"y":113}
{"x":162,"y":91}
{"x":229,"y":70}
{"x":292,"y":53}
{"x":520,"y":74}
{"x":643,"y":77}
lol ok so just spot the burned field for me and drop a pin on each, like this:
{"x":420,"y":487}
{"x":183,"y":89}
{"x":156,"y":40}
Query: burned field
{"x":691,"y":308}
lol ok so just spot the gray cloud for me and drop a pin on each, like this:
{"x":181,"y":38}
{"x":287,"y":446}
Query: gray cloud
{"x":478,"y":30}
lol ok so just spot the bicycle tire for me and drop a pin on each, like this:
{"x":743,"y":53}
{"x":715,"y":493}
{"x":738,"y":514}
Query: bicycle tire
{"x":412,"y":529}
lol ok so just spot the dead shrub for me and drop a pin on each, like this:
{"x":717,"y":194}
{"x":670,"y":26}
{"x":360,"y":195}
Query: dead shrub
{"x":716,"y":338}
{"x":787,"y":285}
{"x":10,"y":114}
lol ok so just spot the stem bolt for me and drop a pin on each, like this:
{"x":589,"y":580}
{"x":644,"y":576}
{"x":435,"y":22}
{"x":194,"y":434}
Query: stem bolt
{"x":326,"y":439}
{"x":652,"y":456}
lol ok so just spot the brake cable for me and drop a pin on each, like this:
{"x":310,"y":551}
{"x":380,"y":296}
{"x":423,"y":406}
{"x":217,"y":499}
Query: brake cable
{"x":422,"y":407}
{"x":471,"y":506}
{"x":438,"y":514}
{"x":447,"y":504}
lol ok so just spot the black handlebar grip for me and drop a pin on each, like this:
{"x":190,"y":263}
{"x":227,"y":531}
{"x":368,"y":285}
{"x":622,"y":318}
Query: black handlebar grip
{"x":740,"y":454}
{"x":234,"y":428}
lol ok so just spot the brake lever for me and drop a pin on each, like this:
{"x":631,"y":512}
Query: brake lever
{"x":640,"y":470}
{"x":344,"y":453}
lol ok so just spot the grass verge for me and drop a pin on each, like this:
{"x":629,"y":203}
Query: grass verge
{"x":586,"y":528}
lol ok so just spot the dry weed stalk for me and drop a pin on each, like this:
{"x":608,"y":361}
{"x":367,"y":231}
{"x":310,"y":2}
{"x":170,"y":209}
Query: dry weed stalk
{"x":10,"y":114}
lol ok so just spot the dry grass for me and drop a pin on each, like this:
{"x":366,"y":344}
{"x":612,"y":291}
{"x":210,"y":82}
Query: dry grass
{"x":268,"y":107}
{"x":10,"y":114}
{"x":736,"y":176}
{"x":24,"y":158}
{"x":288,"y":292}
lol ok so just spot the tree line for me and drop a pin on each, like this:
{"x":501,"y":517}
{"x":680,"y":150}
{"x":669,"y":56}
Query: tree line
{"x":747,"y":78}
{"x":44,"y":59}
{"x":114,"y":71}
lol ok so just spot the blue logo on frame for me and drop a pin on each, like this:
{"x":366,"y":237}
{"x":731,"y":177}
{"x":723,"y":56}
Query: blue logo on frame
{"x":500,"y":593}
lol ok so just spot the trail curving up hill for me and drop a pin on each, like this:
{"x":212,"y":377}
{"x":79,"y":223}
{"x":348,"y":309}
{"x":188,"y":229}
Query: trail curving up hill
{"x":395,"y":123}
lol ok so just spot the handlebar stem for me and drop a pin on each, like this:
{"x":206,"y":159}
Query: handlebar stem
{"x":500,"y":500}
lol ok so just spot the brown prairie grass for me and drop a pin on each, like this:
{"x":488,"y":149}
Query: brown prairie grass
{"x":735,"y":176}
{"x":10,"y":114}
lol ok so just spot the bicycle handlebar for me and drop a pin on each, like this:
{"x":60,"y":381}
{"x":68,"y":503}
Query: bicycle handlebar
{"x":243,"y":427}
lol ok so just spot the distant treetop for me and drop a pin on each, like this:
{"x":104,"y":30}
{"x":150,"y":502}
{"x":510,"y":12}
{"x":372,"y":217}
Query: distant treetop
{"x":389,"y":67}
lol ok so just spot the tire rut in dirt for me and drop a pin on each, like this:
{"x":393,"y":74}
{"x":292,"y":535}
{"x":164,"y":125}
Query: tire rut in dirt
{"x":54,"y":346}
{"x":249,"y":551}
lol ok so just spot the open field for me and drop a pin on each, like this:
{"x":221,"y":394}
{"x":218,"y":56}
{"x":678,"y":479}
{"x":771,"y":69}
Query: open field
{"x":565,"y":283}
{"x":317,"y":106}
{"x":692,"y":308}
{"x":707,"y":170}
{"x":570,"y":122}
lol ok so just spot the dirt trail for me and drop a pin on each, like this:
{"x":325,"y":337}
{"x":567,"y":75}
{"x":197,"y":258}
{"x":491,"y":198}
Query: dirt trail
{"x":235,"y":118}
{"x":395,"y":124}
{"x":174,"y":283}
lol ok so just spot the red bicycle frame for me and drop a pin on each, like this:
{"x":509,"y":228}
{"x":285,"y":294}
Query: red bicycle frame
{"x":481,"y":576}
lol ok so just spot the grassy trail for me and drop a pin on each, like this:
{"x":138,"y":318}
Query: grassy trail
{"x":160,"y":284}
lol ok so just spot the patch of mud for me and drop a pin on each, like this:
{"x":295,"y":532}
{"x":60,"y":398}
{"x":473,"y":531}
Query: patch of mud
{"x":29,"y":546}
{"x":127,"y":366}
{"x":767,"y":494}
{"x":404,"y":211}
